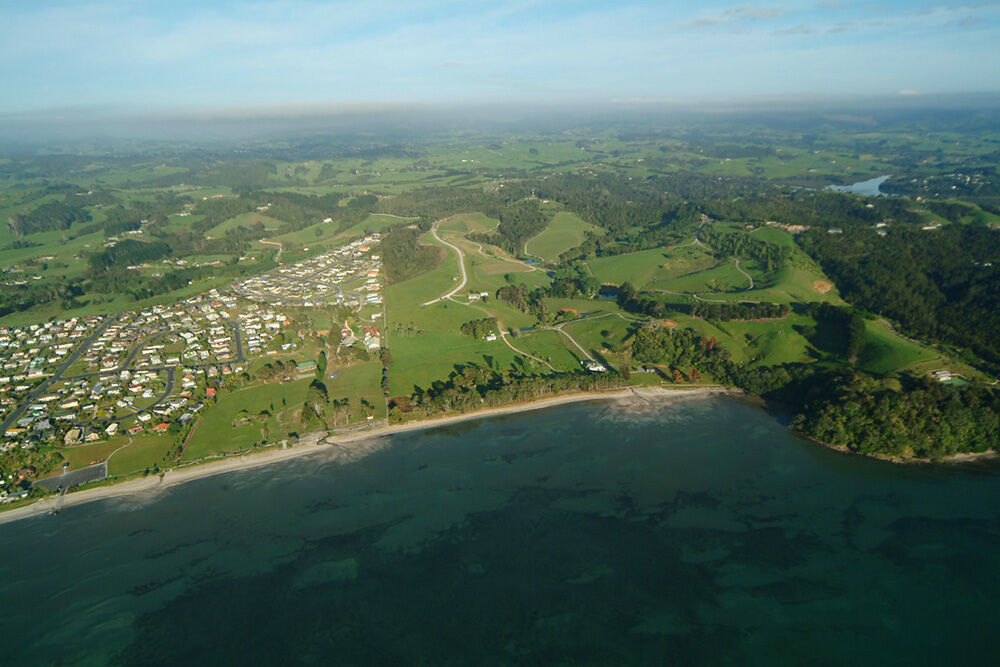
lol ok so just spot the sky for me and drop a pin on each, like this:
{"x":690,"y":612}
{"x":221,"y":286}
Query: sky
{"x":153,"y":56}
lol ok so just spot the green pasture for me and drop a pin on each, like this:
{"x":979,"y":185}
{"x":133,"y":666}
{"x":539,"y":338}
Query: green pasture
{"x":549,"y":345}
{"x":376,"y":222}
{"x":565,"y":231}
{"x":637,"y":268}
{"x":246,"y":220}
{"x":723,"y":277}
{"x":886,"y":351}
{"x":464,"y":223}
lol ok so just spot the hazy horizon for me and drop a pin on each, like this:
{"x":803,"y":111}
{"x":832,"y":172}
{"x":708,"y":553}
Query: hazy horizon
{"x":385,"y":120}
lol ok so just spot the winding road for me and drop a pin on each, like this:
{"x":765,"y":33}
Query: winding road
{"x":461,"y":267}
{"x":277,"y":256}
{"x":749,"y":277}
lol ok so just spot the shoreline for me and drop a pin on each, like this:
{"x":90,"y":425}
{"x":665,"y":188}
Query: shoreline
{"x":962,"y":458}
{"x":315,"y":443}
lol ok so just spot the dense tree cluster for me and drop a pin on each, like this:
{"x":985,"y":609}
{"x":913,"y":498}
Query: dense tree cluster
{"x":480,"y":328}
{"x":743,"y":310}
{"x":474,"y":387}
{"x":840,"y":330}
{"x":127,"y":252}
{"x":48,"y":217}
{"x":524,"y":299}
{"x":685,"y":351}
{"x":926,"y":419}
{"x":631,"y":300}
{"x":403,"y":256}
{"x":771,"y":256}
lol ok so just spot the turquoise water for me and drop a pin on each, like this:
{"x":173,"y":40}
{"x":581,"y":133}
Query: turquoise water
{"x":695,"y":533}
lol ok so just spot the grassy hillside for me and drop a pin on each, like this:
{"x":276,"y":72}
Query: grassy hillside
{"x":564,"y":232}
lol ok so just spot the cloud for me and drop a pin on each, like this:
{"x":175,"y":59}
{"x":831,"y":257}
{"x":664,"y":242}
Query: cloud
{"x":741,"y":14}
{"x":908,"y":92}
{"x":791,"y":31}
{"x":969,"y":22}
{"x":230,"y":52}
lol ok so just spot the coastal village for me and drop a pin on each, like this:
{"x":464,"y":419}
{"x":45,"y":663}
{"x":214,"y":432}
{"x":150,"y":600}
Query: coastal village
{"x":85,"y":380}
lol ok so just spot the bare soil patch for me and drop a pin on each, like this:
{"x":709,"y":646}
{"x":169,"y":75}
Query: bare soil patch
{"x":822,"y":286}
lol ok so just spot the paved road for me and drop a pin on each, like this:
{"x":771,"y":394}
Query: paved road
{"x":171,"y":370}
{"x":461,"y":266}
{"x":559,"y":328}
{"x":237,"y":338}
{"x":57,"y":375}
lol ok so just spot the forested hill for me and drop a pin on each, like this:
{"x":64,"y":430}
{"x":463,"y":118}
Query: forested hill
{"x":922,"y":419}
{"x":941,"y":284}
{"x":404,"y":257}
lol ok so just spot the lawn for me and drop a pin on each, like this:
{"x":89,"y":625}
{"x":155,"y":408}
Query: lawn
{"x":551,"y":346}
{"x":146,"y":451}
{"x":82,"y":456}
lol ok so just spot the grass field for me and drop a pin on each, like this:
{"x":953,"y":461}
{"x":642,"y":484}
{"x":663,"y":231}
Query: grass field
{"x":550,"y":346}
{"x":233,"y":423}
{"x":885,"y":351}
{"x":375,"y":222}
{"x":464,"y":223}
{"x":247,"y":220}
{"x":146,"y":451}
{"x":82,"y":456}
{"x":422,"y":359}
{"x":635,"y":267}
{"x":565,"y":231}
{"x":357,"y":382}
{"x":723,"y":277}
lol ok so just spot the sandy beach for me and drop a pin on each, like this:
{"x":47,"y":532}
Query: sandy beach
{"x":345,"y":447}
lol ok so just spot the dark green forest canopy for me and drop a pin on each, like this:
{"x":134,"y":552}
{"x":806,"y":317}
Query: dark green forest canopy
{"x":403,"y":256}
{"x":941,"y":284}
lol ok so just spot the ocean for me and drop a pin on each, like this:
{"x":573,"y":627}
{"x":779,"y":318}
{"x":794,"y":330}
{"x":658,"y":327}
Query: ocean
{"x":694,"y":532}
